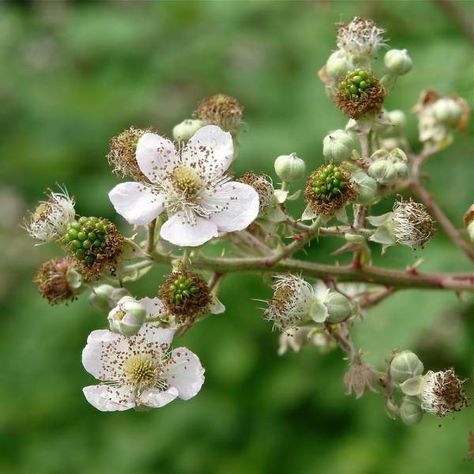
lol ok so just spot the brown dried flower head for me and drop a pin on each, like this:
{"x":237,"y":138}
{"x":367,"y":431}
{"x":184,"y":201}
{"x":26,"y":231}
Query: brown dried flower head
{"x":122,"y":153}
{"x":413,"y":226}
{"x":443,"y":393}
{"x":329,"y":189}
{"x":262,"y":185}
{"x":221,"y":110}
{"x":96,"y":244}
{"x":359,"y":93}
{"x":186,"y":295}
{"x":52,"y":280}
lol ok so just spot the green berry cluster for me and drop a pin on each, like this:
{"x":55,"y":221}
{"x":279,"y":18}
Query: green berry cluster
{"x":328,"y":182}
{"x":182,"y":288}
{"x":86,"y":237}
{"x":355,"y":83}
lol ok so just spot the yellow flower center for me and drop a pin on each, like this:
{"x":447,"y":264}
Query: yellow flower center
{"x":187,"y":181}
{"x":140,"y":370}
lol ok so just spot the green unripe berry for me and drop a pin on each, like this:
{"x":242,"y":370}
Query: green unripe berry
{"x":327,"y":183}
{"x":356,"y":83}
{"x":84,"y":236}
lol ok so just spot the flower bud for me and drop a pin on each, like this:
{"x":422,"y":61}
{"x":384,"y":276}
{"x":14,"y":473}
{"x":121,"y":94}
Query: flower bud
{"x":337,"y":65}
{"x":338,"y":306}
{"x":383,"y":171}
{"x":397,"y":119}
{"x":410,"y":411}
{"x":447,"y":111}
{"x":289,"y":168}
{"x":186,"y":129}
{"x":470,"y":231}
{"x":398,"y":62}
{"x":401,"y":170}
{"x":366,"y":188}
{"x":105,"y":297}
{"x":338,"y":146}
{"x":405,"y":365}
{"x":127,"y":317}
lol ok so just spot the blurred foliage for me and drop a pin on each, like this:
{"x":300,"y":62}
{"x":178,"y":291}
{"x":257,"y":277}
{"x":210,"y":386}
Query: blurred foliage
{"x":74,"y":74}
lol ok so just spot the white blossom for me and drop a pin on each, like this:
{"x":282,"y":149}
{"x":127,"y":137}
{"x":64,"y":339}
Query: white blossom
{"x":191,"y":185}
{"x":139,"y":371}
{"x":50,"y":219}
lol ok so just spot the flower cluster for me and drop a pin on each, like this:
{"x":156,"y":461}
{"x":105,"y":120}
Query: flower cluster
{"x":188,"y":212}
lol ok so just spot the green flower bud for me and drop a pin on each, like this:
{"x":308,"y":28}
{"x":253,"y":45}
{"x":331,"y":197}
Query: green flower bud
{"x":398,"y":119}
{"x":401,"y":170}
{"x":447,"y":111}
{"x":366,"y":188}
{"x":338,"y":146}
{"x":404,"y":366}
{"x":127,"y":317}
{"x":338,"y":306}
{"x":290,"y":168}
{"x":383,"y":171}
{"x":338,"y":65}
{"x":186,"y":129}
{"x":410,"y":411}
{"x":398,"y":62}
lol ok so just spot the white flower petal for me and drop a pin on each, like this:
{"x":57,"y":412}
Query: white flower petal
{"x":181,"y":231}
{"x":153,"y":333}
{"x":184,"y":372}
{"x":237,"y":205}
{"x":156,"y":156}
{"x":210,"y":150}
{"x":137,"y":203}
{"x":153,"y":398}
{"x":94,"y":353}
{"x":109,"y":398}
{"x":154,"y":307}
{"x":216,"y":307}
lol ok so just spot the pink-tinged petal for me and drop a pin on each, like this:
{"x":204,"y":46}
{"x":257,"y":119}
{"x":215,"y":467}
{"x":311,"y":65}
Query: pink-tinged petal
{"x":185,"y":232}
{"x":109,"y":398}
{"x":153,"y":334}
{"x":184,"y":372}
{"x":210,"y":151}
{"x":94,"y":357}
{"x":155,"y":399}
{"x":137,"y":203}
{"x":154,"y":307}
{"x":156,"y":156}
{"x":235,"y":206}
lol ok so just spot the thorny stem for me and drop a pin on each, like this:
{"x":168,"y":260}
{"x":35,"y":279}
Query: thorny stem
{"x":369,"y":274}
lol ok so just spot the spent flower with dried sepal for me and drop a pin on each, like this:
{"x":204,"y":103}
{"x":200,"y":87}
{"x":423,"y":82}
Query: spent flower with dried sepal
{"x":295,"y":303}
{"x":408,"y":224}
{"x":222,"y":110}
{"x":186,"y":296}
{"x":328,"y":190}
{"x":51,"y":218}
{"x":58,"y":280}
{"x":440,"y":393}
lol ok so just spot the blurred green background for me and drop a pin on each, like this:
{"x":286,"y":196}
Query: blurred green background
{"x":76,"y":73}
